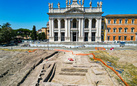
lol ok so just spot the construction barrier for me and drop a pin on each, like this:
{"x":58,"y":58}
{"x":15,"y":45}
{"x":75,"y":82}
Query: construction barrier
{"x":32,"y":51}
{"x":100,"y":48}
{"x":97,"y":60}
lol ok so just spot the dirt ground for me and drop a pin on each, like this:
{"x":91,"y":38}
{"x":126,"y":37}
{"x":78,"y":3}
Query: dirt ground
{"x":123,"y":61}
{"x":15,"y":64}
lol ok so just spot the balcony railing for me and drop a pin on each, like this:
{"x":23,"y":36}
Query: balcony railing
{"x":85,"y":9}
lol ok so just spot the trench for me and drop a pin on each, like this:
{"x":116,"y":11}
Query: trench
{"x":41,"y":60}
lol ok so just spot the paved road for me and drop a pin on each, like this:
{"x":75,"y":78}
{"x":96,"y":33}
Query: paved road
{"x":74,"y":49}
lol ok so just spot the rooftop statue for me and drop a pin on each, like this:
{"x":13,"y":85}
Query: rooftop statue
{"x":101,"y":4}
{"x":49,"y":5}
{"x":66,"y":2}
{"x":97,"y":4}
{"x":82,"y":2}
{"x":69,"y":2}
{"x":58,"y":5}
{"x":90,"y":4}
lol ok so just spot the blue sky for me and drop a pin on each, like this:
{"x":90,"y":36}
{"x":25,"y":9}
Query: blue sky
{"x":26,"y":13}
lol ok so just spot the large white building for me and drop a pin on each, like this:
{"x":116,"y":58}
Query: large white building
{"x":75,"y":22}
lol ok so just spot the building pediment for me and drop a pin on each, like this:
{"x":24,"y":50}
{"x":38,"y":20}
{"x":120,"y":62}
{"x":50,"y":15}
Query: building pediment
{"x":74,"y":10}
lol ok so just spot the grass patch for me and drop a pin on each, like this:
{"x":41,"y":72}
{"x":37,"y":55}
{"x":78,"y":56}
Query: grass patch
{"x":130,"y":71}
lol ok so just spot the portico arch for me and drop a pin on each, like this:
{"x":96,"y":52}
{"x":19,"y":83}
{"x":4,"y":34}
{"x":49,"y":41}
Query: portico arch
{"x":62,"y":23}
{"x":86,"y":23}
{"x":55,"y":23}
{"x":94,"y":23}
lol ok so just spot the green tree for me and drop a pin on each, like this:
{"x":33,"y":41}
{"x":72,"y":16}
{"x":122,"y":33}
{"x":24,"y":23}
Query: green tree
{"x":41,"y":36}
{"x":23,"y":32}
{"x":6,"y":33}
{"x":34,"y":34}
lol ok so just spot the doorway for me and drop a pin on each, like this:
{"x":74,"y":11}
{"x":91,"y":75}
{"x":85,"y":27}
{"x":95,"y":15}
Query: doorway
{"x":74,"y":36}
{"x":86,"y":36}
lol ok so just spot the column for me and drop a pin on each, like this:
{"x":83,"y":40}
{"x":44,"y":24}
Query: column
{"x":79,"y":27}
{"x":51,"y":30}
{"x":59,"y":38}
{"x":82,"y":31}
{"x":66,"y":29}
{"x":90,"y":26}
{"x":69,"y":27}
{"x":97,"y":29}
{"x":52,"y":27}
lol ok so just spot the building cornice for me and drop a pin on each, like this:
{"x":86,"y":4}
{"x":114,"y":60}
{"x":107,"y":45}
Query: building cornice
{"x":74,"y":13}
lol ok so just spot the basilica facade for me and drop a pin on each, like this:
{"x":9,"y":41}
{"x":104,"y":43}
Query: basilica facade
{"x":75,"y":22}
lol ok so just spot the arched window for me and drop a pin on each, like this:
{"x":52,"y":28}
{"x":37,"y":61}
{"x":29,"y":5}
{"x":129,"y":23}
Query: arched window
{"x":55,"y":23}
{"x":86,"y":23}
{"x":93,"y":23}
{"x":62,"y":23}
{"x":74,"y":23}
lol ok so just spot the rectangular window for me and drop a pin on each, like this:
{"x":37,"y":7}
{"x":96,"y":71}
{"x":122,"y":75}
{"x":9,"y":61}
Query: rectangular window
{"x":125,"y":37}
{"x":120,"y":29}
{"x":133,"y":21}
{"x":120,"y":21}
{"x":108,"y":29}
{"x":62,"y":36}
{"x":109,"y":21}
{"x":132,"y":37}
{"x":114,"y":37}
{"x":108,"y":38}
{"x":125,"y":29}
{"x":132,"y":29}
{"x":126,"y":21}
{"x":119,"y":37}
{"x":115,"y":21}
{"x":114,"y":30}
